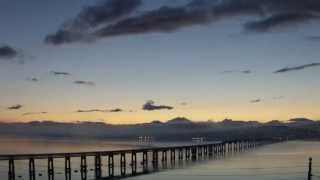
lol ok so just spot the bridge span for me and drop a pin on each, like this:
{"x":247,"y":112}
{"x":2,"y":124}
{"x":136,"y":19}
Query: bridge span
{"x":125,"y":163}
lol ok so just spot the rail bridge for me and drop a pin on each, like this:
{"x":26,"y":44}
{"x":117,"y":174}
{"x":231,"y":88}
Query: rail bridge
{"x":124,"y":163}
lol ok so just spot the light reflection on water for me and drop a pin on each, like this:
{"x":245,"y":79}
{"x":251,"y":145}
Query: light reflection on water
{"x":278,"y":161}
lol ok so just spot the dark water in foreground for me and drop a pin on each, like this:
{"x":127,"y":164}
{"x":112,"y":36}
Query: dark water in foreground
{"x":285,"y":161}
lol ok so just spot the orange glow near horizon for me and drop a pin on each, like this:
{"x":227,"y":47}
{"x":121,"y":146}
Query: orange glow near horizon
{"x":245,"y":113}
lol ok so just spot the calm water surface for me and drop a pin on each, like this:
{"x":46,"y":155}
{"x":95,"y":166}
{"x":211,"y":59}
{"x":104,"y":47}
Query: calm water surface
{"x":285,"y":161}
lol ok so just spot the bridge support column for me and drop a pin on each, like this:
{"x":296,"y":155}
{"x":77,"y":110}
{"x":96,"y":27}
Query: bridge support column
{"x":155,"y":159}
{"x":83,"y":167}
{"x":145,"y":161}
{"x":164,"y":158}
{"x":194,"y":153}
{"x":206,"y":150}
{"x":134,"y":163}
{"x":32,"y":170}
{"x":200,"y":149}
{"x":11,"y":172}
{"x":235,"y":146}
{"x":123,"y":164}
{"x":97,"y":166}
{"x":187,"y":153}
{"x":67,"y":167}
{"x":111,"y":165}
{"x":50,"y":169}
{"x":173,"y":155}
{"x":210,"y":149}
{"x":180,"y":156}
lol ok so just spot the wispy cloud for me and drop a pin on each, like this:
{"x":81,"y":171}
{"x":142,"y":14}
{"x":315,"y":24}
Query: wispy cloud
{"x":183,"y":103}
{"x":270,"y":14}
{"x":86,"y":83}
{"x":278,"y":97}
{"x":278,"y":20}
{"x":150,"y":106}
{"x":32,"y":79}
{"x":297,"y":68}
{"x":237,"y":71}
{"x":256,"y":101}
{"x":15,"y":107}
{"x":60,"y":73}
{"x":313,"y":38}
{"x":100,"y":110}
{"x":33,"y":113}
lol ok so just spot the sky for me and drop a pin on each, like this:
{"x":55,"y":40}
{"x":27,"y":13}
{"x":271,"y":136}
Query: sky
{"x":134,"y":61}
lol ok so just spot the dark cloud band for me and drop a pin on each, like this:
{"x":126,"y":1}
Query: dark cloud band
{"x":79,"y":28}
{"x":150,"y":106}
{"x":58,"y":73}
{"x":100,"y":110}
{"x":270,"y":14}
{"x":15,"y":107}
{"x":7,"y":52}
{"x":297,"y":68}
{"x":86,"y":83}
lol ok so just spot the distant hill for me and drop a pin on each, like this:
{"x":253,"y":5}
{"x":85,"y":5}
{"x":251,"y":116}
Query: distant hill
{"x":177,"y":129}
{"x":179,"y":120}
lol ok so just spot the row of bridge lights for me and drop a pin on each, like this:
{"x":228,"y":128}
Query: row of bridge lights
{"x":150,"y":140}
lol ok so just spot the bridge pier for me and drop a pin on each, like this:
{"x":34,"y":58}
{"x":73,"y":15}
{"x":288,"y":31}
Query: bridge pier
{"x":83,"y":167}
{"x":133,"y":163}
{"x":50,"y":169}
{"x":67,"y":167}
{"x":206,"y":150}
{"x":194,"y":153}
{"x":32,"y":171}
{"x":97,"y":166}
{"x":111,"y":165}
{"x":11,"y":172}
{"x":180,"y":155}
{"x":123,"y":164}
{"x":145,"y":161}
{"x":155,"y":159}
{"x":187,"y":153}
{"x":173,"y":155}
{"x":210,"y":149}
{"x":164,"y":158}
{"x":200,"y":149}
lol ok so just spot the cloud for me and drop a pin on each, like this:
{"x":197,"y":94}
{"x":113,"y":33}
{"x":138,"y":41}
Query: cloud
{"x":101,"y":110}
{"x":278,"y":20}
{"x":58,"y":73}
{"x":32,"y":79}
{"x":116,"y":110}
{"x":149,"y":106}
{"x":183,"y":103}
{"x":256,"y":101}
{"x":278,"y":97}
{"x":33,"y":113}
{"x":313,"y":38}
{"x":89,"y":18}
{"x":237,"y":71}
{"x":15,"y":107}
{"x":86,"y":83}
{"x":269,"y":14}
{"x":7,"y":52}
{"x":297,"y":68}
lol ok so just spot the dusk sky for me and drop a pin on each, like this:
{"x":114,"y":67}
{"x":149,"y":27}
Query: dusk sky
{"x":132,"y":61}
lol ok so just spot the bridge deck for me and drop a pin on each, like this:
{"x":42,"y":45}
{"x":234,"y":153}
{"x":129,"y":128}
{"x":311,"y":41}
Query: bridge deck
{"x":102,"y":153}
